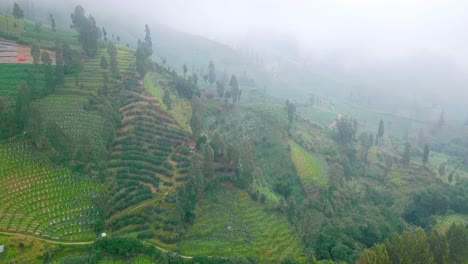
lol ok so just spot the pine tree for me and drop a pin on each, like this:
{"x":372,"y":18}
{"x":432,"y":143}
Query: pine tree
{"x":18,"y":13}
{"x":36,"y":53}
{"x":425,"y":154}
{"x":211,"y":73}
{"x":167,"y":100}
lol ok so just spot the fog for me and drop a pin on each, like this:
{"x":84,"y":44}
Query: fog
{"x":419,"y":46}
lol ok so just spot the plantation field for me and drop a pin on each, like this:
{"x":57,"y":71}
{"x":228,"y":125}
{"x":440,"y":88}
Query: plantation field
{"x":41,"y":200}
{"x":67,"y":111}
{"x":255,"y":232}
{"x":147,"y":164}
{"x":310,"y":169}
{"x":13,"y":75}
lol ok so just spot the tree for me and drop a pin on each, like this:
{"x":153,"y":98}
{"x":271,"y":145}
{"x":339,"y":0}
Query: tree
{"x":36,"y":53}
{"x":346,"y":131}
{"x":195,"y":78}
{"x":442,"y":169}
{"x":380,"y":132}
{"x":407,"y":154}
{"x":291,"y":112}
{"x":211,"y":73}
{"x":112,"y":51}
{"x":425,"y":154}
{"x":439,"y":247}
{"x":457,"y":238}
{"x":234,"y":84}
{"x":45,"y":58}
{"x":167,"y":100}
{"x":185,"y":69}
{"x":376,"y":255}
{"x":104,"y":63}
{"x":196,"y":124}
{"x":104,"y":34}
{"x":410,"y":247}
{"x":18,"y":13}
{"x":48,"y":74}
{"x":220,"y":89}
{"x":441,"y":121}
{"x":88,"y":32}
{"x":52,"y":22}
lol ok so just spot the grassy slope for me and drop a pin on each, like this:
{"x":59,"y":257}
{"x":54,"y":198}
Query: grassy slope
{"x":31,"y":252}
{"x":308,"y":167}
{"x":255,"y":232}
{"x":181,"y":109}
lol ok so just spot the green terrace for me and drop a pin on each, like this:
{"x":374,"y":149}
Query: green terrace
{"x":40,"y":199}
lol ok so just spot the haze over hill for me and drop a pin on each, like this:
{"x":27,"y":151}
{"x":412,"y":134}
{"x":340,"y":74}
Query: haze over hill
{"x":381,"y":48}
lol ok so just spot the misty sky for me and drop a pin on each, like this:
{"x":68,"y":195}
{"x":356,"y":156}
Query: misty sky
{"x":384,"y":29}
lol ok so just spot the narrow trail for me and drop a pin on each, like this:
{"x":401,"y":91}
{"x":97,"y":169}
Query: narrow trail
{"x":47,"y":240}
{"x":75,"y":243}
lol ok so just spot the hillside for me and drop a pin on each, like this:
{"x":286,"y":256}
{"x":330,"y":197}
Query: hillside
{"x":107,"y":156}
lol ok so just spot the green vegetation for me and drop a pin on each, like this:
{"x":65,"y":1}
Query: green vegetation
{"x":310,"y":170}
{"x":43,"y":200}
{"x":235,"y":225}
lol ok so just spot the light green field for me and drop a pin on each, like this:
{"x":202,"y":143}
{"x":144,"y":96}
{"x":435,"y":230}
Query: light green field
{"x":181,"y":109}
{"x":41,"y":200}
{"x":30,"y":253}
{"x":255,"y":232}
{"x":310,"y":170}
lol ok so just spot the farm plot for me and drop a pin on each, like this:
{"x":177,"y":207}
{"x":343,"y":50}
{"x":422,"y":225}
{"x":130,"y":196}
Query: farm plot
{"x":230,"y":223}
{"x":147,"y":164}
{"x":69,"y":113}
{"x":13,"y":75}
{"x":310,"y":170}
{"x":42,"y":200}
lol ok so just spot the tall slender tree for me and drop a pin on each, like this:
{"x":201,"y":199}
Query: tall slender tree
{"x":211,"y":73}
{"x":425,"y":154}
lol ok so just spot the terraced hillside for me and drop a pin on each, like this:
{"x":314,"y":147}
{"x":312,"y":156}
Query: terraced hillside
{"x":42,"y":200}
{"x":235,"y":225}
{"x":68,"y":107}
{"x":149,"y":160}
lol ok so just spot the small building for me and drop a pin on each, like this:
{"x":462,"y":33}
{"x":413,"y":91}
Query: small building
{"x":192,"y":144}
{"x":2,"y":248}
{"x":103,"y":235}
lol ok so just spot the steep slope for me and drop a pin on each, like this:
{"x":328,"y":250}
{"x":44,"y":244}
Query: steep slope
{"x":149,"y":159}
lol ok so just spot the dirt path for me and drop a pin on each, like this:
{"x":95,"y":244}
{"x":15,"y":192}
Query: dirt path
{"x":47,"y":240}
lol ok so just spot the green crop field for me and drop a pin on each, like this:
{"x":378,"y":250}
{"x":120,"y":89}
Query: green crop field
{"x":42,"y":200}
{"x":13,"y":75}
{"x":230,"y":223}
{"x":308,"y":167}
{"x":7,"y":26}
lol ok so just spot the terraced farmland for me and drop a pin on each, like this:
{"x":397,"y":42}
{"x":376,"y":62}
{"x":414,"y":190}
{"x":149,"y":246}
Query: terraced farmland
{"x":230,"y":223}
{"x":42,"y":200}
{"x":68,"y":112}
{"x":310,"y":170}
{"x":147,"y":164}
